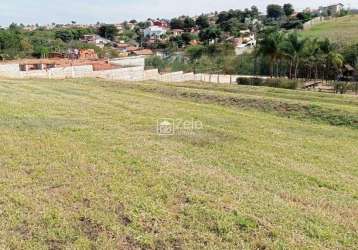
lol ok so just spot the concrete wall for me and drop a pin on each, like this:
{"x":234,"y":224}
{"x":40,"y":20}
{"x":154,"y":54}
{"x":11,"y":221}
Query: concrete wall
{"x":315,"y":21}
{"x":172,"y":77}
{"x":128,"y":74}
{"x":198,"y":77}
{"x":9,"y":70}
{"x":71,"y":72}
{"x":58,"y":73}
{"x":35,"y":74}
{"x":189,"y":77}
{"x":209,"y":78}
{"x":226,"y":79}
{"x":131,"y":61}
{"x":152,"y":74}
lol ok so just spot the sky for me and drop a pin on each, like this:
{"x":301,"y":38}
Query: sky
{"x":115,"y":11}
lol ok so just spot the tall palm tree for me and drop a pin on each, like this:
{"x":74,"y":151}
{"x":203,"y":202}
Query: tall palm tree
{"x":270,"y":46}
{"x":292,"y":47}
{"x":334,"y":60}
{"x":312,"y":57}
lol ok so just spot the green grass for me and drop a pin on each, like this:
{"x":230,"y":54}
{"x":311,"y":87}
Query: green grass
{"x":82,"y":167}
{"x":343,"y":30}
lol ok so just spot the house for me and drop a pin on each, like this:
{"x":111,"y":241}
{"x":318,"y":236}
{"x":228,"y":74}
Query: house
{"x":96,"y":40}
{"x":349,"y":73}
{"x":245,"y":42}
{"x":331,"y":10}
{"x":119,"y":27}
{"x":177,"y":32}
{"x":154,"y":31}
{"x":160,"y":23}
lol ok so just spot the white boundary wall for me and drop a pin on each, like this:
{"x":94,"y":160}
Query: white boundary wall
{"x":316,"y":20}
{"x":152,"y":74}
{"x":10,"y":70}
{"x":132,"y":61}
{"x":127,"y":74}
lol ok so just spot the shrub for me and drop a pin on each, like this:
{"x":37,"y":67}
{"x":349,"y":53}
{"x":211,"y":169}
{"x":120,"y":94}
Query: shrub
{"x":257,"y":81}
{"x":282,"y":83}
{"x":243,"y":81}
{"x":155,"y":62}
{"x":272,"y":82}
{"x":342,"y":87}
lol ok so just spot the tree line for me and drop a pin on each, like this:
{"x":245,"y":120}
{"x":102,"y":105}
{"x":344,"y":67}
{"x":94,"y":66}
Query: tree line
{"x":289,"y":54}
{"x":16,"y":42}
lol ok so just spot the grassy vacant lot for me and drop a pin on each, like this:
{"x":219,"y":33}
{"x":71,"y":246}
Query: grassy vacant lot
{"x":343,"y":30}
{"x":82,"y":167}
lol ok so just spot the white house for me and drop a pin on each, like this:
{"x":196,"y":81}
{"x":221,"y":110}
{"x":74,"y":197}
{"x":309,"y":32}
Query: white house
{"x":246,"y":42}
{"x":154,"y":31}
{"x":331,"y":10}
{"x":96,"y":40}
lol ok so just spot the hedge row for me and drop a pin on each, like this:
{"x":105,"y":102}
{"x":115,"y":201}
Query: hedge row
{"x":270,"y":82}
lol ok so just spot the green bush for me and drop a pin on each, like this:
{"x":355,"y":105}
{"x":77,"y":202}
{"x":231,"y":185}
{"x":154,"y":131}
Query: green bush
{"x":257,"y":81}
{"x":282,"y":83}
{"x":343,"y":87}
{"x":272,"y":82}
{"x":243,"y":81}
{"x":155,"y":62}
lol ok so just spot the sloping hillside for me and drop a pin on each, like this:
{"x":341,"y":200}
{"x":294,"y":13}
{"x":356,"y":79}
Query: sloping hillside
{"x":343,"y":30}
{"x":83,"y":167}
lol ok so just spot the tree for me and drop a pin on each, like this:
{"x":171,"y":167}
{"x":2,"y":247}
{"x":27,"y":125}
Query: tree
{"x":254,"y":12}
{"x":108,"y":31}
{"x":202,"y":22}
{"x":288,"y":9}
{"x":143,"y":25}
{"x":195,"y":52}
{"x":189,"y":23}
{"x":336,"y":60}
{"x":292,"y":47}
{"x":187,"y":37}
{"x":304,"y":16}
{"x":176,"y":23}
{"x":65,"y":35}
{"x":269,"y":46}
{"x":155,"y":62}
{"x":274,"y":11}
{"x":233,"y":26}
{"x":312,"y":58}
{"x":210,"y":34}
{"x":177,"y":41}
{"x":351,"y":55}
